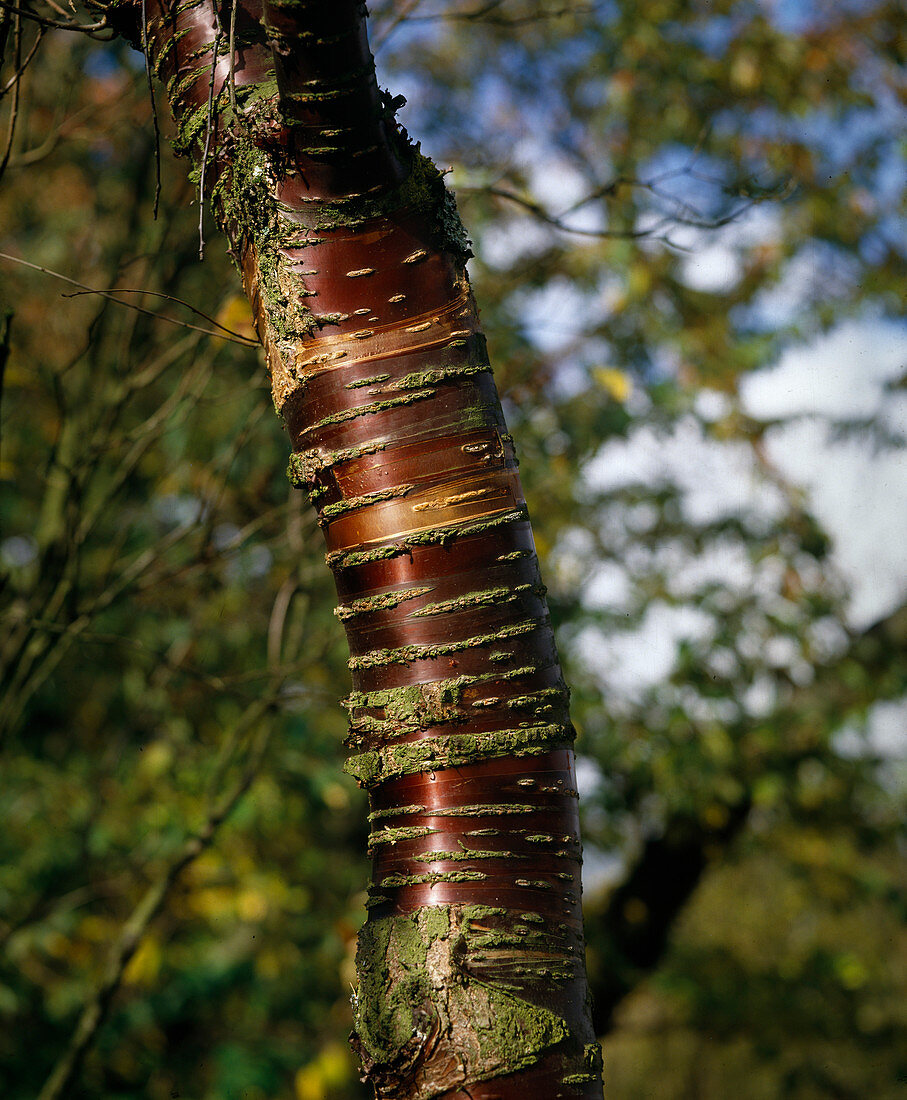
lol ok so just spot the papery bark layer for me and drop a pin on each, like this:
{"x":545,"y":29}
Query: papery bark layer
{"x":471,"y":971}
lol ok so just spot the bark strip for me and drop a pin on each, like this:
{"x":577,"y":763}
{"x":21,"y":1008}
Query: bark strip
{"x":471,"y":971}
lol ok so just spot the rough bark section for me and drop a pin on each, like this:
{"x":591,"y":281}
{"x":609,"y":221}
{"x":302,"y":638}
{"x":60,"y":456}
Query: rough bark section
{"x":472,"y":980}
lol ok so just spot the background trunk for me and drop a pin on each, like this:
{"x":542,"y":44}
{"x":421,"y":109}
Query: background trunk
{"x":471,"y":970}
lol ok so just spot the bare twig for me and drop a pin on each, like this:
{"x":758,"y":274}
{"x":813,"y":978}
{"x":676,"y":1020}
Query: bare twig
{"x":484,"y":14}
{"x":221,"y":684}
{"x":405,"y":11}
{"x":602,"y":191}
{"x":230,"y":36}
{"x":58,"y":9}
{"x":17,"y":75}
{"x":5,"y":23}
{"x":45,"y":907}
{"x":231,"y":46}
{"x":682,"y":212}
{"x":224,"y":334}
{"x":59,"y":24}
{"x":543,"y":215}
{"x":204,"y":165}
{"x":47,"y":146}
{"x":141,"y":438}
{"x":157,"y":132}
{"x":14,"y":107}
{"x":278,"y":619}
{"x":166,"y":298}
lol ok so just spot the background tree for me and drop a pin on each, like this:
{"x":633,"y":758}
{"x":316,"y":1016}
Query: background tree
{"x":784,"y":974}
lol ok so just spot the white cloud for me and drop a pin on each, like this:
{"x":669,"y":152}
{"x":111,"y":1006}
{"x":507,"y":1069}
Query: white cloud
{"x":715,"y":270}
{"x":715,"y":479}
{"x":627,"y":663}
{"x":608,"y":588}
{"x":856,"y":489}
{"x":884,"y":733}
{"x":555,"y":314}
{"x":842,"y":374}
{"x":714,"y":260}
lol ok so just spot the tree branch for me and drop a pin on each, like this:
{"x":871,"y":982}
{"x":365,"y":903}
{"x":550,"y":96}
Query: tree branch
{"x":96,"y":1009}
{"x":224,"y":334}
{"x":59,"y":24}
{"x":633,"y":932}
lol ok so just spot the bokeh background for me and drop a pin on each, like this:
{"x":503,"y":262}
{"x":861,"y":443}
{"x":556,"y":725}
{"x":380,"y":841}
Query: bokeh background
{"x":689,"y":227}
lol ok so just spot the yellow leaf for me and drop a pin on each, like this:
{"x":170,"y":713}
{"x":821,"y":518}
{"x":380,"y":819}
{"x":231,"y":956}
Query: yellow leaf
{"x":145,"y":963}
{"x":320,"y":1079}
{"x":236,"y":315}
{"x":156,"y":758}
{"x":212,"y":902}
{"x":252,"y":905}
{"x":745,"y":71}
{"x":618,"y":384}
{"x":308,"y":1084}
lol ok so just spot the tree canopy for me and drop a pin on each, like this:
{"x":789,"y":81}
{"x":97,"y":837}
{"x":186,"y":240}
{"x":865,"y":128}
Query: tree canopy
{"x":665,"y":198}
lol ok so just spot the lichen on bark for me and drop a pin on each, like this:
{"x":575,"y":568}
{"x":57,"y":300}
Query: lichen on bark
{"x":431,"y":754}
{"x":423,"y":1018}
{"x":353,"y":257}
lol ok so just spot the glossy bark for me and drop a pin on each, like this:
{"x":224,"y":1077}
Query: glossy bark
{"x":472,"y":978}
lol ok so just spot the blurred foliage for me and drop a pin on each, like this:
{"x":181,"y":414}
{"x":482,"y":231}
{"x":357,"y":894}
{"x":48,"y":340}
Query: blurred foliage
{"x":161,"y":580}
{"x":167,"y":614}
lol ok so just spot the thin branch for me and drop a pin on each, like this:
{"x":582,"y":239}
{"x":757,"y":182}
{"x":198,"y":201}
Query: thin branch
{"x":230,"y":36}
{"x":231,"y":49}
{"x":45,"y":907}
{"x":84,"y":28}
{"x":468,"y":16}
{"x":39,"y":152}
{"x":5,"y":23}
{"x":543,"y":215}
{"x":157,"y":132}
{"x":220,"y":684}
{"x":603,"y":191}
{"x":33,"y":663}
{"x":167,"y":298}
{"x":204,"y":164}
{"x":58,"y":9}
{"x":14,"y":108}
{"x":684,"y":213}
{"x":404,"y":13}
{"x":96,"y":1009}
{"x":17,"y":75}
{"x":225,"y":334}
{"x":484,"y":14}
{"x":54,"y":640}
{"x":160,"y":657}
{"x":278,"y":619}
{"x":143,"y":437}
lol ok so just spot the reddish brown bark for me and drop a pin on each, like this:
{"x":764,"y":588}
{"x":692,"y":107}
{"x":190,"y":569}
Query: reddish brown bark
{"x":472,"y":981}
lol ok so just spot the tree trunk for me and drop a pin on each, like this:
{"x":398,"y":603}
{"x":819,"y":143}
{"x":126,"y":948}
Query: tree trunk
{"x":471,"y":969}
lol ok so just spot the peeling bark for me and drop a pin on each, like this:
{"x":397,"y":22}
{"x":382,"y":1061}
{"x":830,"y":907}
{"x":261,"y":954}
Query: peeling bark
{"x":471,"y":971}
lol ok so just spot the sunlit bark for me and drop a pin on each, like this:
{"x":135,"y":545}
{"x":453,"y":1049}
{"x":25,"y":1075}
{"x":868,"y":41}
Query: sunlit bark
{"x":471,"y":971}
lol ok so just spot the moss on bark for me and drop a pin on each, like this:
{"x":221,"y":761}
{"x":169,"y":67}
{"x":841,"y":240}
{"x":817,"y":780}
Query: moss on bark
{"x":425,"y":1024}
